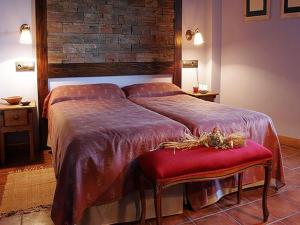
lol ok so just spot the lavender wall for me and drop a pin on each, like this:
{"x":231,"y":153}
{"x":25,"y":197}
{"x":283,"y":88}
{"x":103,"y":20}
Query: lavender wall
{"x":261,"y":65}
{"x":206,"y":16}
{"x":216,"y":46}
{"x":195,"y":14}
{"x":13,"y":13}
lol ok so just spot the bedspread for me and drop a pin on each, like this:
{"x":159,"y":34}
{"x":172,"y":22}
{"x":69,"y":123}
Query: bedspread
{"x":202,"y":116}
{"x":94,"y":144}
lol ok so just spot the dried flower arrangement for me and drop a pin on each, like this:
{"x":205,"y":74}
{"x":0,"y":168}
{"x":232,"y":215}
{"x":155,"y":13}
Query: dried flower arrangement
{"x":216,"y":139}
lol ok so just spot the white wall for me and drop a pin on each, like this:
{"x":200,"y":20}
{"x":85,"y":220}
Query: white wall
{"x":214,"y":55}
{"x":121,"y":81}
{"x":195,"y":14}
{"x":13,"y":13}
{"x":206,"y":16}
{"x":261,"y":65}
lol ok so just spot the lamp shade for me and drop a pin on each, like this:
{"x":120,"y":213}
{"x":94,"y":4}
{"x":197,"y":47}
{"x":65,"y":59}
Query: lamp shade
{"x":198,"y":39}
{"x":25,"y":37}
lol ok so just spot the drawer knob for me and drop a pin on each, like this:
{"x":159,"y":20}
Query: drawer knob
{"x":16,"y":117}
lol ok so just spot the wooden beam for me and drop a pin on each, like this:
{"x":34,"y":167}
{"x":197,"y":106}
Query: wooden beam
{"x":41,"y":50}
{"x":109,"y":69}
{"x":42,"y":63}
{"x":177,"y":77}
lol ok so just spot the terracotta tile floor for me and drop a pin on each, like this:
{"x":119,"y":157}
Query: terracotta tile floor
{"x":284,"y":205}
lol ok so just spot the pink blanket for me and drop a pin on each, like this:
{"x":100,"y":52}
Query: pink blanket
{"x":199,"y":116}
{"x":94,"y":144}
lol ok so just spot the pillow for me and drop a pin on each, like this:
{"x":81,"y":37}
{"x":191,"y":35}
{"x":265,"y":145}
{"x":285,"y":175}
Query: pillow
{"x":78,"y":92}
{"x":152,"y":90}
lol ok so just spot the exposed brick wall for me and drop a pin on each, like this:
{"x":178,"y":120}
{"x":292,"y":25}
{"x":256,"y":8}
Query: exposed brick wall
{"x":92,"y":31}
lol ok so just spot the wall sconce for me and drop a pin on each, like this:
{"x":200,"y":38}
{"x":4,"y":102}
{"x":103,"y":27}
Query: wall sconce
{"x":25,"y":37}
{"x":198,"y":39}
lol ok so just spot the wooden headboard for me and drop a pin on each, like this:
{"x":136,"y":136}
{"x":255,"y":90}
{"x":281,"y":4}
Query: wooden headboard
{"x":55,"y":59}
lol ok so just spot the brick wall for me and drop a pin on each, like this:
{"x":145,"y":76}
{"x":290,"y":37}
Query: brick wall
{"x":94,"y":31}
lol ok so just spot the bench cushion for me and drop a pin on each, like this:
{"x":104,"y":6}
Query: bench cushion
{"x":167,"y":163}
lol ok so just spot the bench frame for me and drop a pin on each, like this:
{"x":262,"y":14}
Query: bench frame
{"x":160,"y":184}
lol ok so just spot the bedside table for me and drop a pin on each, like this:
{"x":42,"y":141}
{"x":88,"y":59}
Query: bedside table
{"x":17,"y":118}
{"x":210,"y":96}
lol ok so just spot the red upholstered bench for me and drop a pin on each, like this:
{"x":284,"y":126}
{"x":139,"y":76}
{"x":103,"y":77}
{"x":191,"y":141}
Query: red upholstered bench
{"x":165,"y":167}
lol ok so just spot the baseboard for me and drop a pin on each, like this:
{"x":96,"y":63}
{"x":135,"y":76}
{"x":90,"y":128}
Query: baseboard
{"x":293,"y":142}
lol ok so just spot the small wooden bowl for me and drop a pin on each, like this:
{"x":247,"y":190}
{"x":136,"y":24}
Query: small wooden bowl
{"x":13,"y":100}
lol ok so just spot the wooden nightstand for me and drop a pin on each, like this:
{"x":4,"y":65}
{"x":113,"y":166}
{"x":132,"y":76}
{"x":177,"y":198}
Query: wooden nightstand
{"x":210,"y":96}
{"x":17,"y":118}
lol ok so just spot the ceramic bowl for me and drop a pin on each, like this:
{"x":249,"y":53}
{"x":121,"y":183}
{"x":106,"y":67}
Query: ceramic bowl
{"x":25,"y":103}
{"x":203,"y":91}
{"x":13,"y":100}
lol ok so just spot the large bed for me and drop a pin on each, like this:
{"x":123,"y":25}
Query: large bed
{"x":202,"y":116}
{"x":95,"y":134}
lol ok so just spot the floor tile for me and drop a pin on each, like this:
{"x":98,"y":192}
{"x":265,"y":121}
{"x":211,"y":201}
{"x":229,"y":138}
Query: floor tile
{"x":297,"y":170}
{"x":292,"y":162}
{"x":276,"y":223}
{"x":230,"y":201}
{"x":177,"y":219}
{"x":292,"y":220}
{"x":254,"y":194}
{"x":292,"y":195}
{"x":249,"y":214}
{"x":280,"y":207}
{"x":220,"y":218}
{"x":37,"y":218}
{"x":206,"y":211}
{"x":287,"y":170}
{"x":292,"y":178}
{"x":12,"y":220}
{"x":173,"y":220}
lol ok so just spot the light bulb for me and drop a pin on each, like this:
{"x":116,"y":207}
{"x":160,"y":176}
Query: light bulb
{"x":25,"y":37}
{"x":198,"y":39}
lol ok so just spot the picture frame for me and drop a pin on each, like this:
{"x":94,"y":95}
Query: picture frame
{"x":256,"y":10}
{"x":290,"y":8}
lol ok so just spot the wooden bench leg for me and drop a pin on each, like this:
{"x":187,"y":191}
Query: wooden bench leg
{"x":143,"y":200}
{"x":240,"y":188}
{"x":268,"y":170}
{"x":157,"y":200}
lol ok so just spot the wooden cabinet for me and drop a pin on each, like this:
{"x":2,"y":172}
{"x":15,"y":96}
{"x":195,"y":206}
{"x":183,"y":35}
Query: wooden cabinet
{"x":207,"y":97}
{"x":16,"y":118}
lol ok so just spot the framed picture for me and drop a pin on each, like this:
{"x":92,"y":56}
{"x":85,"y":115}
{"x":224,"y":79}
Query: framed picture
{"x":290,"y":8}
{"x":256,"y":10}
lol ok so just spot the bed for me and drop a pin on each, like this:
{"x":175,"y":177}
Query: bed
{"x":95,"y":134}
{"x":202,"y":116}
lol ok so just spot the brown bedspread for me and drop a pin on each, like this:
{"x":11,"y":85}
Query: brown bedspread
{"x":94,"y":144}
{"x":199,"y":116}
